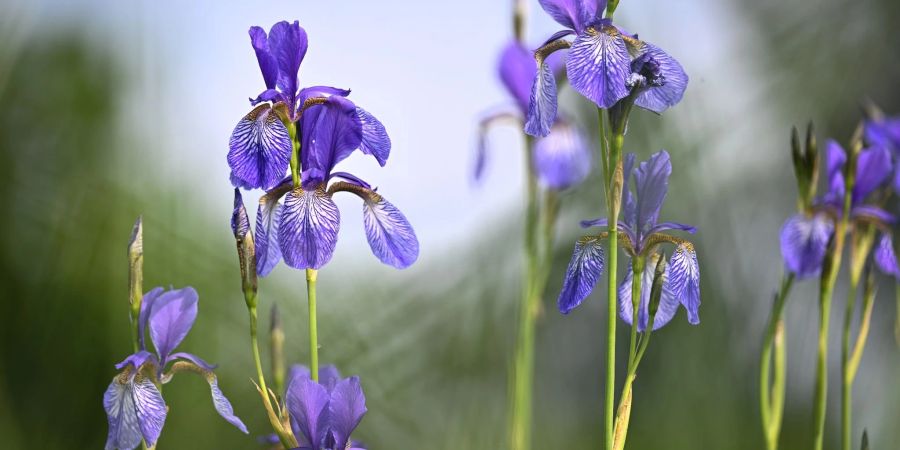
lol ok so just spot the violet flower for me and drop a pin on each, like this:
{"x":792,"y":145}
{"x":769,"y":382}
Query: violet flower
{"x":324,"y":414}
{"x":134,"y":405}
{"x":604,"y":64}
{"x":805,"y":236}
{"x":885,"y":133}
{"x":303,"y":231}
{"x":641,"y":236}
{"x":562,"y":159}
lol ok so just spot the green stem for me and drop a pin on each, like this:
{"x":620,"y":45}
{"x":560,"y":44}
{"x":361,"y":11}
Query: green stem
{"x":295,"y":153}
{"x":287,"y":440}
{"x":846,"y":381}
{"x":770,"y":407}
{"x":615,"y":198}
{"x":311,"y":277}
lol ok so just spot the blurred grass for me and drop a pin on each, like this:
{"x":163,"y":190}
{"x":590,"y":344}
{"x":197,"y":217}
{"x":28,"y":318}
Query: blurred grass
{"x":432,"y":344}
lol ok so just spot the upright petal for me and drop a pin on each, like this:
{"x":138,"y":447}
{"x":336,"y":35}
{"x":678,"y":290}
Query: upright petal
{"x":391,"y":237}
{"x":375,"y":140}
{"x":884,"y":133}
{"x":307,"y":403}
{"x":288,"y":44}
{"x":330,"y":132}
{"x":171,"y":318}
{"x":651,"y":180}
{"x":259,"y":149}
{"x":804,"y":241}
{"x":308,"y":228}
{"x":517,"y":70}
{"x":346,"y":409}
{"x":885,"y":257}
{"x":684,"y":279}
{"x":582,"y":274}
{"x":268,"y":216}
{"x":135,"y":410}
{"x":835,"y":158}
{"x":571,"y":13}
{"x":562,"y":159}
{"x":146,"y":304}
{"x":542,"y":103}
{"x":267,"y":63}
{"x":660,"y":98}
{"x":629,"y":206}
{"x":329,"y":376}
{"x":668,"y":303}
{"x":599,"y":64}
{"x":873,"y":167}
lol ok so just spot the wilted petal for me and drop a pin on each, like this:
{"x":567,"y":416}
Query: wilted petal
{"x":517,"y":70}
{"x":651,"y":179}
{"x":873,"y":167}
{"x":885,"y":257}
{"x":288,"y":44}
{"x":346,"y":410}
{"x":307,"y":403}
{"x":171,"y":318}
{"x":542,"y":103}
{"x":668,"y":302}
{"x":308,"y":228}
{"x":599,"y":64}
{"x":660,"y":98}
{"x":804,"y":241}
{"x":582,"y":274}
{"x":267,"y":64}
{"x":375,"y":140}
{"x":330,"y":132}
{"x":222,"y":405}
{"x":391,"y":237}
{"x":562,"y":159}
{"x":268,"y":252}
{"x":135,"y":409}
{"x":684,"y":280}
{"x":259,"y":149}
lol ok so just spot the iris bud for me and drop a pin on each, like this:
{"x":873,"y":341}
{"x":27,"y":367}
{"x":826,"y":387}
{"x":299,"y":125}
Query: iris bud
{"x":658,"y":280}
{"x":240,"y":226}
{"x":806,"y":166}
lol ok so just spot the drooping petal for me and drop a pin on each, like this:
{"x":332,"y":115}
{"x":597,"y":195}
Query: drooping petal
{"x":259,"y":149}
{"x":307,"y":403}
{"x":221,"y":403}
{"x":171,"y":318}
{"x":660,"y":98}
{"x":135,"y":410}
{"x":599,"y":64}
{"x":885,"y":257}
{"x":268,"y":216}
{"x":288,"y":44}
{"x":804,"y":241}
{"x":330,"y":132}
{"x":668,"y":302}
{"x":346,"y":409}
{"x":146,"y":303}
{"x":391,"y":237}
{"x":582,"y":274}
{"x":651,"y":179}
{"x":562,"y":159}
{"x":542,"y":103}
{"x":349,"y":177}
{"x":873,"y":167}
{"x":267,"y":63}
{"x":375,"y":140}
{"x":517,"y":70}
{"x":308,"y":228}
{"x":684,"y":280}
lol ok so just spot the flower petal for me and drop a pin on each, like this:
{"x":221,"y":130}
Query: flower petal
{"x":562,"y":159}
{"x":884,"y":133}
{"x":319,"y":91}
{"x":221,"y":403}
{"x":600,"y":222}
{"x":629,"y":207}
{"x":598,"y":65}
{"x":288,"y":44}
{"x":346,"y":409}
{"x":873,"y":167}
{"x":267,"y":63}
{"x":135,"y":410}
{"x":885,"y":257}
{"x":651,"y":179}
{"x":835,"y":158}
{"x":574,"y":14}
{"x":171,"y":318}
{"x":146,"y":303}
{"x":136,"y":360}
{"x":684,"y":280}
{"x":660,"y":98}
{"x":872,"y":212}
{"x":517,"y":70}
{"x":391,"y":237}
{"x":198,"y":361}
{"x":582,"y":274}
{"x":804,"y":241}
{"x":259,"y":149}
{"x":308,"y":228}
{"x":375,"y":140}
{"x":668,"y":303}
{"x":665,"y":226}
{"x":542,"y":103}
{"x":329,"y":376}
{"x":307,"y":403}
{"x":268,"y":217}
{"x":240,"y":221}
{"x":330,"y":132}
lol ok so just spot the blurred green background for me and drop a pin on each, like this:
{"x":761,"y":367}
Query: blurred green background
{"x":110,"y":111}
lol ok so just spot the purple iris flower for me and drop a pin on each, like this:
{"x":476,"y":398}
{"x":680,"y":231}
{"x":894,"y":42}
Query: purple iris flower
{"x":134,"y":405}
{"x":642,"y":234}
{"x":805,"y":236}
{"x":885,"y":133}
{"x":324,"y":414}
{"x":561,"y":159}
{"x":604,"y":64}
{"x":303,"y":230}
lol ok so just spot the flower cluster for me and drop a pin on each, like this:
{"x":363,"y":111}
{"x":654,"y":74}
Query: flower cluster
{"x":642,"y":236}
{"x":134,"y":405}
{"x":310,"y":130}
{"x":605,"y":63}
{"x":324,"y":413}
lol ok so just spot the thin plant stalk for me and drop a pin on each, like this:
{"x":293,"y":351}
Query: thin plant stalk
{"x":311,"y":277}
{"x":614,"y":200}
{"x":850,"y":356}
{"x":287,"y":439}
{"x":771,"y":397}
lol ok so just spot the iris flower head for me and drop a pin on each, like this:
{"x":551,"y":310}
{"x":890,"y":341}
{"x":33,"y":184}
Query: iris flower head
{"x":302,"y":228}
{"x":641,"y":235}
{"x":562,"y":159}
{"x":805,"y":236}
{"x":325,"y":413}
{"x":134,"y":405}
{"x":604,"y":63}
